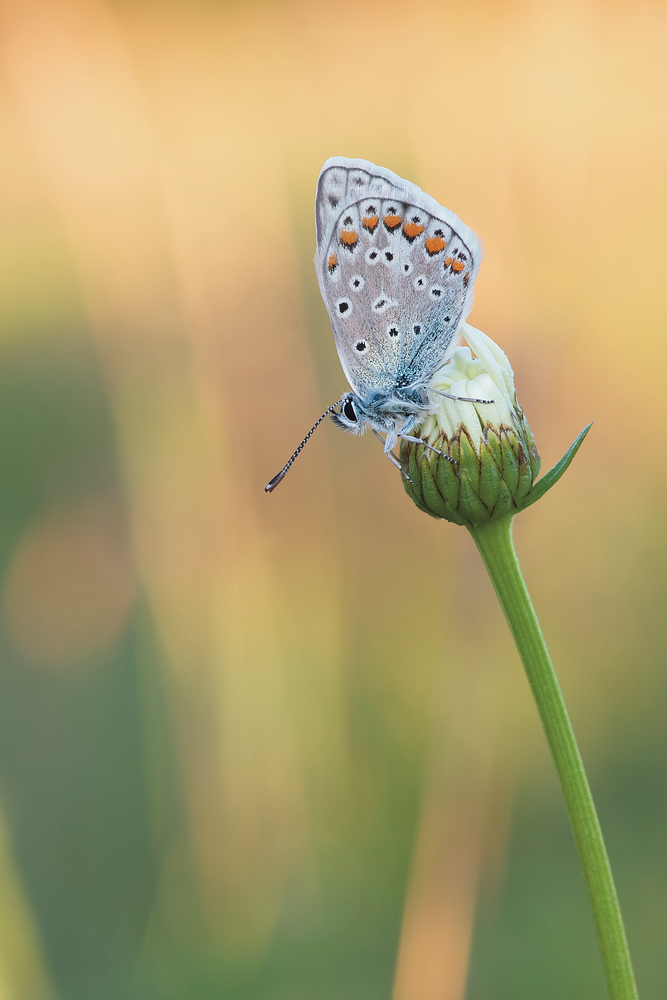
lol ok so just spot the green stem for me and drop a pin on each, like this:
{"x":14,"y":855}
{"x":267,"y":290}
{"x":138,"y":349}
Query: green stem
{"x":494,"y":541}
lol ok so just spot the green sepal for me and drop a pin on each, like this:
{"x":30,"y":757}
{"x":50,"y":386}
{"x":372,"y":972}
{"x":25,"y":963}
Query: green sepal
{"x":413,"y":488}
{"x":490,"y":479}
{"x":493,"y":444}
{"x":504,"y":503}
{"x":454,"y":448}
{"x":469,"y":462}
{"x":430,"y":493}
{"x":533,"y":457}
{"x":525,"y":479}
{"x":416,"y":498}
{"x":554,"y":474}
{"x":510,"y":462}
{"x":447,"y":482}
{"x":471,"y":507}
{"x":414,"y":457}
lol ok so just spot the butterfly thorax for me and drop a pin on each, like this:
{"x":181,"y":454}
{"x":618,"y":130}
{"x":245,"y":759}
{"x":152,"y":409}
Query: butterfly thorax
{"x":401,"y":401}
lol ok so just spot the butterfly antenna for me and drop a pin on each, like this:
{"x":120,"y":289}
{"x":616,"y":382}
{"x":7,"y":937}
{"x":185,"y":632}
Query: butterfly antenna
{"x":285,"y":469}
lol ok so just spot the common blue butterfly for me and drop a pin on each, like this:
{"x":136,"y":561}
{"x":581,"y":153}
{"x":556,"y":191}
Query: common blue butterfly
{"x":396,"y":271}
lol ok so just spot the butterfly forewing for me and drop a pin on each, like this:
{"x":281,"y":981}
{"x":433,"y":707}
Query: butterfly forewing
{"x":396,"y":272}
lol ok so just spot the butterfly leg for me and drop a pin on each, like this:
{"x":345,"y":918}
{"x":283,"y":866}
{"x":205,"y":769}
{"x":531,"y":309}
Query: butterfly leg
{"x":394,"y":461}
{"x":459,"y":399}
{"x":380,"y":438}
{"x":404,"y":433}
{"x":415,"y":440}
{"x":390,"y":455}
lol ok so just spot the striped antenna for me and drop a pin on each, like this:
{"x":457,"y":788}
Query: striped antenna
{"x":285,"y":469}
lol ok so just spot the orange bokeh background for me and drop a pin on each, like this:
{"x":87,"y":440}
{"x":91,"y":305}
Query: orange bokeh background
{"x":280,"y":746}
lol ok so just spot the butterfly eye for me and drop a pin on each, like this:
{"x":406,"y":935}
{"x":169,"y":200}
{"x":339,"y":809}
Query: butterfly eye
{"x":435,"y":292}
{"x":392,"y":331}
{"x":344,"y":306}
{"x":361,"y":346}
{"x":407,"y":267}
{"x":349,"y":411}
{"x":372,"y":256}
{"x":419,"y":283}
{"x":357,"y":283}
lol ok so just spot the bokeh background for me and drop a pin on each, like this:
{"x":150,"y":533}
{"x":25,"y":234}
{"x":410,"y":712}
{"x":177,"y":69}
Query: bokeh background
{"x":280,"y":747}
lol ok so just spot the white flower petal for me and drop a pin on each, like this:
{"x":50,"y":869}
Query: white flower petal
{"x":461,"y":358}
{"x":488,"y":376}
{"x":494,"y":360}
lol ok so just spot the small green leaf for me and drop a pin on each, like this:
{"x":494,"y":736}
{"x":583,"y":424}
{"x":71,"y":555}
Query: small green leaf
{"x":553,"y":475}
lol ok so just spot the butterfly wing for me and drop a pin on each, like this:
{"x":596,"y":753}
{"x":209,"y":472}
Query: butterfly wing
{"x":396,"y":271}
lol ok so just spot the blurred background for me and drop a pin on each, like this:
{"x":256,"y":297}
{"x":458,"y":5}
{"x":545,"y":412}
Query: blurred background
{"x":280,"y":747}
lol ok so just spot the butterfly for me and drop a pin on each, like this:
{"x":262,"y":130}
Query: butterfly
{"x":396,"y":271}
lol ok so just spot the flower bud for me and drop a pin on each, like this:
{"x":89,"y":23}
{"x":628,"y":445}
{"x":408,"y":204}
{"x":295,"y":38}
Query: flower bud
{"x":488,"y":461}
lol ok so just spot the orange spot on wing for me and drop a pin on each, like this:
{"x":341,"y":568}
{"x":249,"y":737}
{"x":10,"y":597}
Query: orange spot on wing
{"x":448,"y":261}
{"x":349,"y":238}
{"x":332,"y":262}
{"x":434,"y":244}
{"x":370,"y":222}
{"x":466,"y":277}
{"x":458,"y":266}
{"x":392,"y":222}
{"x":411,"y":230}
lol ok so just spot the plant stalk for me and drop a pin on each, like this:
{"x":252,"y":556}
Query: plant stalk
{"x":494,"y":541}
